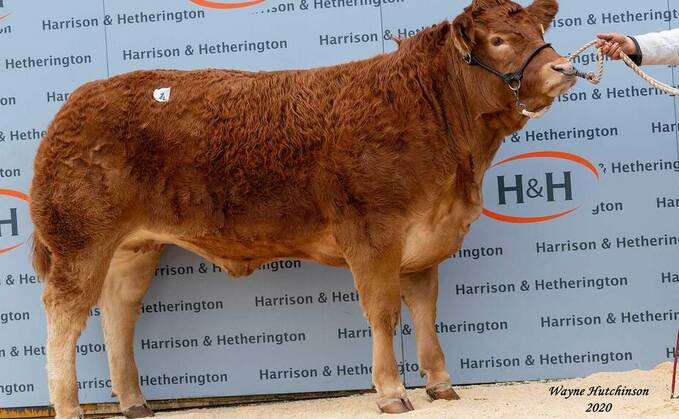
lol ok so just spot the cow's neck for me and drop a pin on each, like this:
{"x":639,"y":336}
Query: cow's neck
{"x":491,"y":115}
{"x":479,"y":109}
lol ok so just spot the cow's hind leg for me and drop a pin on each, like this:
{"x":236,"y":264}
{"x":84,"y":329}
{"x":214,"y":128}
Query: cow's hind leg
{"x":377,"y":277}
{"x":129,"y":276}
{"x":420,"y":292}
{"x":71,"y":289}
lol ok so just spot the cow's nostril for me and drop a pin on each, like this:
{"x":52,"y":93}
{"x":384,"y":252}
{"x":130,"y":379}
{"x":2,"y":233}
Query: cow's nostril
{"x":566,"y":69}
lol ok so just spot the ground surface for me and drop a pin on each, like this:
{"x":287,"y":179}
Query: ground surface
{"x":524,"y":400}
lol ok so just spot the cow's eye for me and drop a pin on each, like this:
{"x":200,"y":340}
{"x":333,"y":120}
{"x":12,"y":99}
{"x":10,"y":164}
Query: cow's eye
{"x":497,"y":41}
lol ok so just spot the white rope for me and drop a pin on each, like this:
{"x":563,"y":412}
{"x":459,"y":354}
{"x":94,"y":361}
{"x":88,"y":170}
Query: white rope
{"x":591,"y":77}
{"x":535,"y":115}
{"x":596,"y":78}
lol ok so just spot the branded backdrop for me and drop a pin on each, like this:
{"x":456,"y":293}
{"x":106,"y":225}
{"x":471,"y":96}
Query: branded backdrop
{"x":573,"y":269}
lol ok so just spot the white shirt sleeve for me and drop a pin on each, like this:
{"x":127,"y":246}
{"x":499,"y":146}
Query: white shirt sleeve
{"x":660,"y":47}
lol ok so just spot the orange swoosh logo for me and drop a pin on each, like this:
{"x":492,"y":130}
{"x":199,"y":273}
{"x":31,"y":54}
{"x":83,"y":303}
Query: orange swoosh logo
{"x":525,"y":220}
{"x":2,"y":17}
{"x":553,"y":155}
{"x":219,"y":5}
{"x":15,"y":194}
{"x":9,"y":249}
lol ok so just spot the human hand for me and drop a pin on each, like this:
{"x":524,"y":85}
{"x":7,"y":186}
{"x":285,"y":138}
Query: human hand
{"x":612,"y":44}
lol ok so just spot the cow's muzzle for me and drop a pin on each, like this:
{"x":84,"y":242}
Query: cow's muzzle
{"x":565,"y":68}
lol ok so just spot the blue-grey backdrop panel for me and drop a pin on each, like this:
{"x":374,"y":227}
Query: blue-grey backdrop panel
{"x":507,"y":298}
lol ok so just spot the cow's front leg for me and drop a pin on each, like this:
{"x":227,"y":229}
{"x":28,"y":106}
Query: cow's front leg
{"x":420,"y":292}
{"x":377,"y":277}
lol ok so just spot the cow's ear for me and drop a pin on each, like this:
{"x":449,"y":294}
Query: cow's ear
{"x":463,"y":34}
{"x":544,"y":11}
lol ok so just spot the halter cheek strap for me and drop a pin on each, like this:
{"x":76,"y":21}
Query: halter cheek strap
{"x":513,"y":80}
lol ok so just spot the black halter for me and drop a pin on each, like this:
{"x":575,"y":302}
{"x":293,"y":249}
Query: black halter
{"x":513,"y":80}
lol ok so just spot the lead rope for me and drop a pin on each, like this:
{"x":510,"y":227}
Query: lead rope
{"x":596,"y":78}
{"x":674,"y":370}
{"x":534,"y":115}
{"x":591,"y":77}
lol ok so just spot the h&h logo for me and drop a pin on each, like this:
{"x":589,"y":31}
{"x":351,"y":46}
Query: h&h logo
{"x":13,"y":222}
{"x":13,"y":219}
{"x":525,"y":193}
{"x":533,"y":189}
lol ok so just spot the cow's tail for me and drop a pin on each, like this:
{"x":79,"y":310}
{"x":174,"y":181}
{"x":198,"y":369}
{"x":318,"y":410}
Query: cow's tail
{"x":42,"y":258}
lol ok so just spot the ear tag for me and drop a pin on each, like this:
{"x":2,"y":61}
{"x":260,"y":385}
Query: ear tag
{"x":542,"y":28}
{"x":162,"y":95}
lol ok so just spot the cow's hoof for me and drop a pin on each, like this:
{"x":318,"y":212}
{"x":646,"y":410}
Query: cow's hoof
{"x":138,"y":412}
{"x":442,"y":392}
{"x":393,"y":406}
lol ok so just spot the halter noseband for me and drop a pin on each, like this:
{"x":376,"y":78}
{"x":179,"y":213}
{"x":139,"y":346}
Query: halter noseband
{"x":512,"y":80}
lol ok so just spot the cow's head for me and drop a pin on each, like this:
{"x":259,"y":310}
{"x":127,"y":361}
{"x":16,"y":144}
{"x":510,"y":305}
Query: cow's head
{"x":503,"y":35}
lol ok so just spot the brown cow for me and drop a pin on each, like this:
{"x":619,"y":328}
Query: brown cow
{"x":376,"y":165}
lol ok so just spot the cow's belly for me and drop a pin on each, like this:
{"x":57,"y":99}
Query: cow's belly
{"x":431,"y":241}
{"x":241,"y":260}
